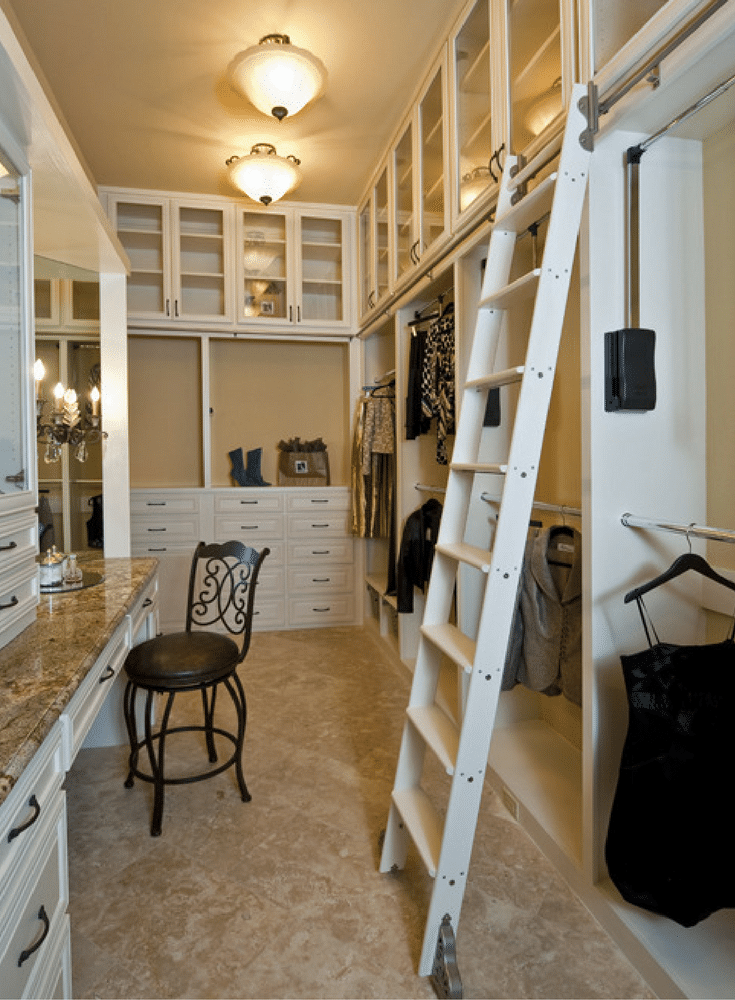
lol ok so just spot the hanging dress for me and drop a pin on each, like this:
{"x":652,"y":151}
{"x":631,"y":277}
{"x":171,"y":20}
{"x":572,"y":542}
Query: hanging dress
{"x":669,"y":846}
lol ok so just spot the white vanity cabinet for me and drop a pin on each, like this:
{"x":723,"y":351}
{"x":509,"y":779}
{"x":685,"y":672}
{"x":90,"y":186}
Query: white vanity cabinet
{"x":34,"y":891}
{"x":180,"y":255}
{"x":18,"y":532}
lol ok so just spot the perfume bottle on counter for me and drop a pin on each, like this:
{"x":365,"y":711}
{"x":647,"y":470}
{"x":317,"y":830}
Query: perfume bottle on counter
{"x":72,"y":572}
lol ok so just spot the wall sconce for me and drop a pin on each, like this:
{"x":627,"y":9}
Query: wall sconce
{"x":264,"y":175}
{"x":67,"y":425}
{"x":277,"y":77}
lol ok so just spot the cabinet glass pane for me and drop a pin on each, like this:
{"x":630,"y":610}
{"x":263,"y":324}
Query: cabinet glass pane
{"x":616,"y":23}
{"x":472,"y":68}
{"x":264,"y":265}
{"x":432,"y":163}
{"x":535,"y":68}
{"x":140,"y":230}
{"x":382,"y":269}
{"x":321,"y":269}
{"x":403,"y":173}
{"x":202,"y":261}
{"x":14,"y":370}
{"x":365,"y":268}
{"x":42,"y":299}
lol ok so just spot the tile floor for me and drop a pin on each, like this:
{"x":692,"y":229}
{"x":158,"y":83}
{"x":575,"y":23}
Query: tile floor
{"x":281,"y":897}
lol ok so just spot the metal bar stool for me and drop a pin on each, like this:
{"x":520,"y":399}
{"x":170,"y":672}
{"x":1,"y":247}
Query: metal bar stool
{"x":222,"y":586}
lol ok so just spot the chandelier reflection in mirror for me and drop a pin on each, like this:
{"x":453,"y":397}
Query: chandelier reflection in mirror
{"x":66,"y":424}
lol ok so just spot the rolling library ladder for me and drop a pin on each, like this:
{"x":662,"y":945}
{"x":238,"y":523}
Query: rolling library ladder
{"x":444,"y":842}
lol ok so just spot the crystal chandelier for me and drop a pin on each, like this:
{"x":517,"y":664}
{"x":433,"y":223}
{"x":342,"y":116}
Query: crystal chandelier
{"x":67,"y":425}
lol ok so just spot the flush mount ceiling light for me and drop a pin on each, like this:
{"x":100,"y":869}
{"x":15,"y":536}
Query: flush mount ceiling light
{"x":264,"y":175}
{"x":277,"y":77}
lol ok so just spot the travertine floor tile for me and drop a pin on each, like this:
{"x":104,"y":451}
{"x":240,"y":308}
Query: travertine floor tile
{"x":280,"y":896}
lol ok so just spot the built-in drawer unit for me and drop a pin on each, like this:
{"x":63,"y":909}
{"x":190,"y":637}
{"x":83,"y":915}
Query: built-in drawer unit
{"x":162,"y":522}
{"x":34,"y":907}
{"x":25,"y":809}
{"x":318,"y":551}
{"x":18,"y":597}
{"x":168,"y":504}
{"x":332,"y":609}
{"x":18,"y":538}
{"x":81,"y":711}
{"x":254,"y":528}
{"x":320,"y":580}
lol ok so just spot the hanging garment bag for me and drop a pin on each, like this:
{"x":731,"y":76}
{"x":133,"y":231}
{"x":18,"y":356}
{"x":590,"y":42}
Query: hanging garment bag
{"x":669,"y":847}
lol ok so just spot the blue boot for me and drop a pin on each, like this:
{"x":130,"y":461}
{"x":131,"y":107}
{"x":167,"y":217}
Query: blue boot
{"x":252,"y":472}
{"x":238,"y":469}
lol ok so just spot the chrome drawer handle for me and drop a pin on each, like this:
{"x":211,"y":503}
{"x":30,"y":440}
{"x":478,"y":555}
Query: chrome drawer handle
{"x":321,"y":609}
{"x":17,"y":830}
{"x":313,"y":500}
{"x":43,"y":917}
{"x":161,"y":549}
{"x":256,"y":502}
{"x":13,"y":602}
{"x":321,"y":579}
{"x":7,"y":548}
{"x":107,"y":674}
{"x":249,"y":527}
{"x":320,"y":552}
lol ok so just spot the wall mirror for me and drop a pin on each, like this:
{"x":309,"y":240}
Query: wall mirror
{"x":67,"y":345}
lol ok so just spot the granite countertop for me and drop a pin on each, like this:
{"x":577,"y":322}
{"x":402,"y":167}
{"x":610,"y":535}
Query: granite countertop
{"x":42,"y":667}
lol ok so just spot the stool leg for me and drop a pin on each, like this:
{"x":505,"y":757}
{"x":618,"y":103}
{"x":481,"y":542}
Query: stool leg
{"x":238,"y":696}
{"x":129,"y":712}
{"x":157,"y":764}
{"x":209,"y":722}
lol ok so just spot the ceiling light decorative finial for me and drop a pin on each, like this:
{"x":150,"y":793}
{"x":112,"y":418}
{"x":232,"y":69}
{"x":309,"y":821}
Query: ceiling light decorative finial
{"x":277,"y":77}
{"x":264,"y":175}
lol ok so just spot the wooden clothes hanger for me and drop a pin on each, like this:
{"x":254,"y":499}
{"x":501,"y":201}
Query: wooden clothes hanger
{"x":689,"y":561}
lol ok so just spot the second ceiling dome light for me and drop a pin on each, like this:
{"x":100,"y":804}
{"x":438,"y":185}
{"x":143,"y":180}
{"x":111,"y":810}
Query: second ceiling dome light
{"x":277,"y":77}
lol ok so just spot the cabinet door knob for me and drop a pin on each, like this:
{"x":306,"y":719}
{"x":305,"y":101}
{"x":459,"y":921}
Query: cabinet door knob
{"x":17,"y":830}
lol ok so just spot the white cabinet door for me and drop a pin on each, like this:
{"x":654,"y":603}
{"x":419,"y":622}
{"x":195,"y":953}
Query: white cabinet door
{"x":375,"y":245}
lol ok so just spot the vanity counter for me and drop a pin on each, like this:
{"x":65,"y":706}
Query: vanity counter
{"x":42,"y":668}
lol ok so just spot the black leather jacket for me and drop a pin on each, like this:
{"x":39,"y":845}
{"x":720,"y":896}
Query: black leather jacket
{"x":416,"y":555}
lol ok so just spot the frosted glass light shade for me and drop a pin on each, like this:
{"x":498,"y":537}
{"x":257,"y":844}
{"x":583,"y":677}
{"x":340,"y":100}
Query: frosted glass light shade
{"x":264,"y":175}
{"x":277,"y":77}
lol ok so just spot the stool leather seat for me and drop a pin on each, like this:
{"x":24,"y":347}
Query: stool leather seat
{"x":221,"y":593}
{"x":182,"y":658}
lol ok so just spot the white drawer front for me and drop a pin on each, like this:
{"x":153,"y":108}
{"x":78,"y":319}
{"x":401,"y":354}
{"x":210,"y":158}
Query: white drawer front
{"x":18,"y":540}
{"x":147,"y":547}
{"x":163,"y":504}
{"x":35,"y":909}
{"x":81,"y":711}
{"x":248,"y":502}
{"x":317,"y":523}
{"x":327,"y":610}
{"x":323,"y":550}
{"x":152,"y":531}
{"x":140,"y":614}
{"x":251,"y":527}
{"x":326,"y":580}
{"x":18,"y":599}
{"x":270,"y":580}
{"x":24,"y":811}
{"x":268,"y":613}
{"x":319,"y":501}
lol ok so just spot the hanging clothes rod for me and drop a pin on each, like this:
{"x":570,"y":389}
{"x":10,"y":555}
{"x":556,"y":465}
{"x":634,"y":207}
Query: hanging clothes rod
{"x":690,"y":530}
{"x":424,"y":488}
{"x":556,"y":508}
{"x":691,"y":110}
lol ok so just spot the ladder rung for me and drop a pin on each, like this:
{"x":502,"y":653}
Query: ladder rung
{"x":450,"y":640}
{"x":529,"y":209}
{"x":517,"y":291}
{"x":423,"y":823}
{"x":505,"y":377}
{"x":493,"y":470}
{"x":438,"y":731}
{"x":470,"y":554}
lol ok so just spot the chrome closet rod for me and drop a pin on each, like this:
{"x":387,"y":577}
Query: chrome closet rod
{"x":556,"y":508}
{"x":690,"y":530}
{"x":424,"y":488}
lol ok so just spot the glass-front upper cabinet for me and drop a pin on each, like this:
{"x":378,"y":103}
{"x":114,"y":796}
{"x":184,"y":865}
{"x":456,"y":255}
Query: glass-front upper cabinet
{"x":535,"y":68}
{"x":15,"y":454}
{"x":474,"y":146}
{"x":433,"y":148}
{"x":405,"y":238}
{"x":374,"y":245}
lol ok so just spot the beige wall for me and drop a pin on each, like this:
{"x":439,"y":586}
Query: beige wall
{"x":259,"y":391}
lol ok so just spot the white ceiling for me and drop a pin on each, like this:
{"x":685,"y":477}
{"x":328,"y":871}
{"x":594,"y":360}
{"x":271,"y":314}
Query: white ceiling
{"x":142,"y":85}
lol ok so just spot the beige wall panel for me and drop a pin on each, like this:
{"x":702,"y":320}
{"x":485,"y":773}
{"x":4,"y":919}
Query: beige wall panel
{"x":165,"y":412}
{"x":265,"y":391}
